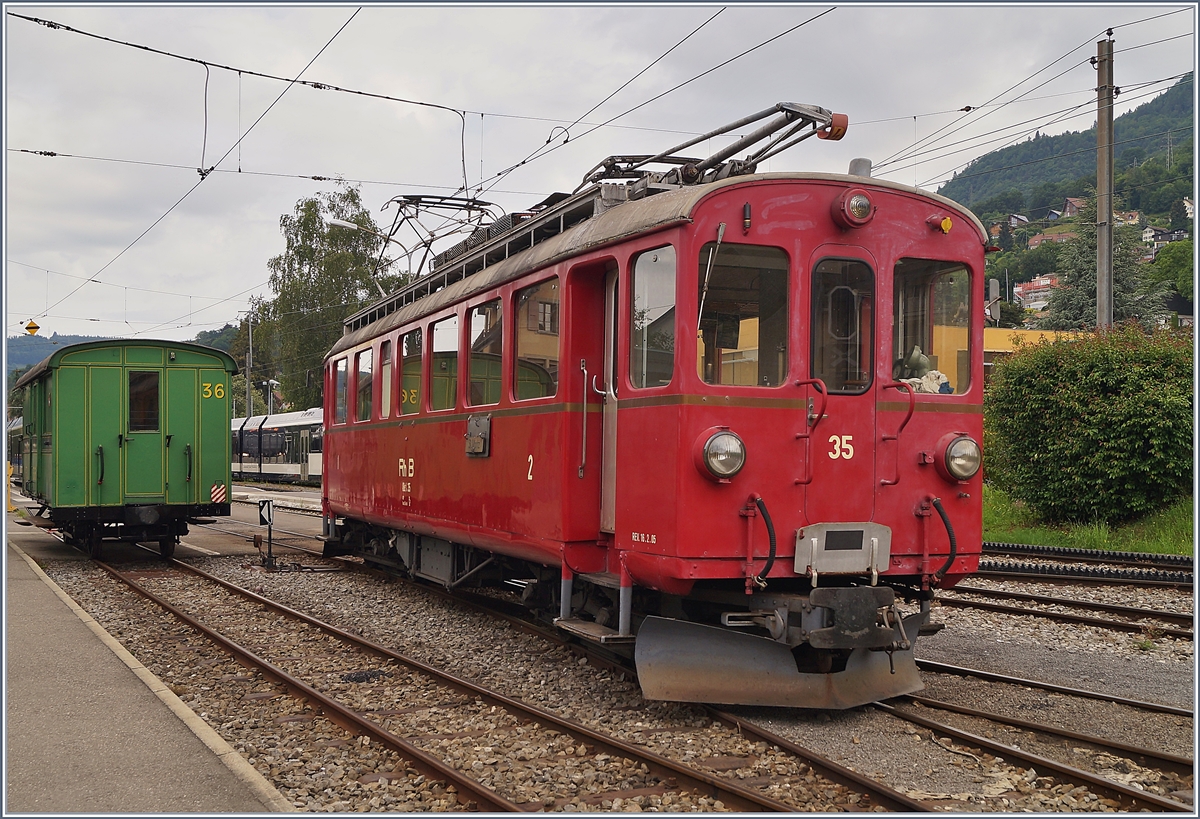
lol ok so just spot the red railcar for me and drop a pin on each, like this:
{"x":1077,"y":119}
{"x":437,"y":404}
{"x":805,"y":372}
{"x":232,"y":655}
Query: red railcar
{"x":732,"y":418}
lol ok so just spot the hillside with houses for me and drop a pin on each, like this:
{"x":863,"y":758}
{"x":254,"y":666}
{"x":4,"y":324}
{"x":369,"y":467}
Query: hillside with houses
{"x":1037,"y":200}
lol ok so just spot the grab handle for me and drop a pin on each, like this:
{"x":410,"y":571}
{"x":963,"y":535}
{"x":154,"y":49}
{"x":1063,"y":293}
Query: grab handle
{"x":583,"y":450}
{"x":100,"y":456}
{"x":912,"y":404}
{"x":187,"y":450}
{"x":811,"y":422}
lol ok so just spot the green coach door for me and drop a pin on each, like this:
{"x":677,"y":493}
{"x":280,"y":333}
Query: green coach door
{"x":104,"y":435}
{"x":212,"y":467}
{"x":143,"y":444}
{"x":180,"y":427}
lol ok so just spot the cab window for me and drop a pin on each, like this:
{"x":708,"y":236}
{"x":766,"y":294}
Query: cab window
{"x":931,"y":313}
{"x":843,"y":300}
{"x":743,"y":315}
{"x":652,"y":318}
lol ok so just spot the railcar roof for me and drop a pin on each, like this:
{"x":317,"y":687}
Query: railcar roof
{"x":51,"y":361}
{"x":657,"y":212}
{"x":300,"y":418}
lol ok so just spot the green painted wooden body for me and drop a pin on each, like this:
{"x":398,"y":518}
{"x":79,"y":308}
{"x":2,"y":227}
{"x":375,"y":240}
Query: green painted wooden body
{"x":121,"y":422}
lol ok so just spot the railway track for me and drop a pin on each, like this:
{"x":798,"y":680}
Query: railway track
{"x":1053,"y":774}
{"x":1140,"y":621}
{"x":1014,"y":561}
{"x":413,"y":701}
{"x":1042,"y":767}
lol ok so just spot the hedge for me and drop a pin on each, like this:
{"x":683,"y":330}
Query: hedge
{"x":1094,"y":428}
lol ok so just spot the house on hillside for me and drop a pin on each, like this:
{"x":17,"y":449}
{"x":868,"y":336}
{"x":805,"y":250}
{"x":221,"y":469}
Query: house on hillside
{"x":1131,"y":217}
{"x":1041,"y":238}
{"x":1035,"y":294}
{"x":1073,"y":206}
{"x":1160,"y":237}
{"x":1190,"y":207}
{"x":1053,"y":215}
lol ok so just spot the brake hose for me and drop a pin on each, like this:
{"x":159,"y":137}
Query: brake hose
{"x":762,"y":507}
{"x":940,"y":573}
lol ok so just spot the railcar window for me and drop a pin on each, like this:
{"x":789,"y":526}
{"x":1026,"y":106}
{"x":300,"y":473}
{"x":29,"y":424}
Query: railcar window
{"x":410,"y":377}
{"x":743,"y":325}
{"x":443,"y":391}
{"x":843,"y":299}
{"x":931,"y":342}
{"x":363,"y":385}
{"x":487,"y":353}
{"x":339,"y":410}
{"x":385,"y":379}
{"x":536,"y":374}
{"x":652,"y":318}
{"x":143,"y":401}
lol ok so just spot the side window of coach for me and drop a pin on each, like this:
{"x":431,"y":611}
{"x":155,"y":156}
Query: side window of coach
{"x":339,"y":407}
{"x":487,"y":352}
{"x":931,"y":343}
{"x":652,"y":318}
{"x":364,"y":386}
{"x":410,"y":378}
{"x":536,"y":374}
{"x":385,"y":379}
{"x":443,"y":387}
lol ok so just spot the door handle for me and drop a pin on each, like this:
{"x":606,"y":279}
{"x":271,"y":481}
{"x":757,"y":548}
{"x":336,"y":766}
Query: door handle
{"x":602,"y":393}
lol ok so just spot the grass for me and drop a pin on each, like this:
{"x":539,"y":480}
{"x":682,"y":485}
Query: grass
{"x":1169,"y":531}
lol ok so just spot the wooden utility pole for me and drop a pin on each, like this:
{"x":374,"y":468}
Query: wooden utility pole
{"x":1104,"y":183}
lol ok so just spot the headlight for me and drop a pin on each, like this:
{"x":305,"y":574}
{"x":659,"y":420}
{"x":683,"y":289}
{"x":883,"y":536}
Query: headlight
{"x":859,"y":206}
{"x":963,"y":458}
{"x":720,"y":454}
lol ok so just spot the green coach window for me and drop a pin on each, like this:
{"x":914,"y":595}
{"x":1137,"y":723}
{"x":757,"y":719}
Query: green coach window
{"x":143,"y":401}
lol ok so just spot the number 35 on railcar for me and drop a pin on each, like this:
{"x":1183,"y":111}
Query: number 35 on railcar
{"x":730,"y":417}
{"x":127,"y":440}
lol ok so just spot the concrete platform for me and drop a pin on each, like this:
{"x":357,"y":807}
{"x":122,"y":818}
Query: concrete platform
{"x":89,"y":729}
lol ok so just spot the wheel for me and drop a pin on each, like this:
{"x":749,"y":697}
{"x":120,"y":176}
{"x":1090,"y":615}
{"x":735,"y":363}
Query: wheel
{"x":166,"y":547}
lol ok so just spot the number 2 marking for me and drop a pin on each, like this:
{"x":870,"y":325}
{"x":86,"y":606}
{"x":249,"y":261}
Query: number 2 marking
{"x":843,"y":446}
{"x":530,"y":475}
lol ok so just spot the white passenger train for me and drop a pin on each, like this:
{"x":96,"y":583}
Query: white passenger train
{"x":285,"y":447}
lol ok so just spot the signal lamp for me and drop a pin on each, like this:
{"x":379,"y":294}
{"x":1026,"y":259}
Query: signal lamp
{"x":853,"y":208}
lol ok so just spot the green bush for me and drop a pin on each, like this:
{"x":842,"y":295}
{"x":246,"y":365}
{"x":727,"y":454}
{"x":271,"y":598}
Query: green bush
{"x":1093,"y":429}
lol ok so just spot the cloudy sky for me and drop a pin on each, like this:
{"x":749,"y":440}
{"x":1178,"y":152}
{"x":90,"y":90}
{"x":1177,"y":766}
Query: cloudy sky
{"x":118,"y":235}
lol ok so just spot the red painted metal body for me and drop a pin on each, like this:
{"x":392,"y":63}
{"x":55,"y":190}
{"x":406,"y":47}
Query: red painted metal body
{"x":530,"y":499}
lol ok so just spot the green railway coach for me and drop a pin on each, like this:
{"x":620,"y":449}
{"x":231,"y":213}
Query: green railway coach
{"x":127,"y":440}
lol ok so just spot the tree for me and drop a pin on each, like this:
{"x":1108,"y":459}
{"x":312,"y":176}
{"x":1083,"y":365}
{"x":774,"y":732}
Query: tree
{"x":323,"y":275}
{"x":1093,"y":428}
{"x":1073,"y":303}
{"x":220,"y":339}
{"x":237,"y":386}
{"x":16,"y":398}
{"x":1010,"y":315}
{"x":1174,"y":264}
{"x":1179,"y":217}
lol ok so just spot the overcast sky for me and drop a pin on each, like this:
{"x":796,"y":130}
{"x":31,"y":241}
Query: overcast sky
{"x":138,"y":124}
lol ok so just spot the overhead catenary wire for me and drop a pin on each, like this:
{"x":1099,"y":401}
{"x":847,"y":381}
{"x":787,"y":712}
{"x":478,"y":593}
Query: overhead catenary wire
{"x":203,"y":176}
{"x":902,"y":154}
